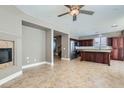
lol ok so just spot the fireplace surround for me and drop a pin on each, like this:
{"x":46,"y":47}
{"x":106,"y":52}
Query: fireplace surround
{"x":6,"y":53}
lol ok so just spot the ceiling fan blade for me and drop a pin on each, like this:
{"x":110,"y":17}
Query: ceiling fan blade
{"x":63,"y":14}
{"x":68,"y":6}
{"x":74,"y":17}
{"x":86,"y":12}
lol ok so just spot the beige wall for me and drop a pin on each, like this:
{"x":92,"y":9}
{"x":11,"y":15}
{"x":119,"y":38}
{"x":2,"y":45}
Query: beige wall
{"x":49,"y":50}
{"x":33,"y":45}
{"x":74,"y":37}
{"x":65,"y":46}
{"x":10,"y":29}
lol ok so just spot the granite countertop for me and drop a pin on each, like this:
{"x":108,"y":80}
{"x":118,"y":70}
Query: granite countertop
{"x":93,"y":49}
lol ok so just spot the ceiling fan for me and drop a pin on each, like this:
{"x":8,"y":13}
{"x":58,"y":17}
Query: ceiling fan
{"x":74,"y":10}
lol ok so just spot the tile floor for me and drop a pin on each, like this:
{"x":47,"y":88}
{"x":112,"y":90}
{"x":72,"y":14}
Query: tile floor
{"x":71,"y":74}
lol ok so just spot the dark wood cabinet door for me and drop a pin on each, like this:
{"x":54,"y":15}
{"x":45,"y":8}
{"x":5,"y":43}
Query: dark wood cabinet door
{"x":115,"y":42}
{"x":99,"y":57}
{"x":93,"y":57}
{"x":120,"y":42}
{"x":87,"y":56}
{"x":115,"y":54}
{"x":118,"y":48}
{"x":121,"y":54}
{"x":80,"y":43}
{"x":88,"y":42}
{"x":106,"y":58}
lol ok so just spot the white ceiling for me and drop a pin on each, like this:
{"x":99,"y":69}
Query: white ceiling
{"x":104,"y":17}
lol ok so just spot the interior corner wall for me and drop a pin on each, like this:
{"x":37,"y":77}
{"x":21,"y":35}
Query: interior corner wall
{"x":10,"y":29}
{"x":74,"y":37}
{"x":33,"y":45}
{"x":48,"y":46}
{"x":65,"y":46}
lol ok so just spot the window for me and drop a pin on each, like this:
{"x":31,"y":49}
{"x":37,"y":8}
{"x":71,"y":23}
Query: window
{"x":100,"y":42}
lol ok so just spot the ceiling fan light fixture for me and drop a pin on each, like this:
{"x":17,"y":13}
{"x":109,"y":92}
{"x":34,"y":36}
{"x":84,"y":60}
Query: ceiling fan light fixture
{"x":74,"y":12}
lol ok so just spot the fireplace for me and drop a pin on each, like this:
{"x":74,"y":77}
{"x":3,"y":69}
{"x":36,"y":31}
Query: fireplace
{"x":7,"y":52}
{"x":5,"y":55}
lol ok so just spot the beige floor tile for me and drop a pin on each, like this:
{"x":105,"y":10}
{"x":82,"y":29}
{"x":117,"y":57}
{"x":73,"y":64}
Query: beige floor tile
{"x":71,"y":74}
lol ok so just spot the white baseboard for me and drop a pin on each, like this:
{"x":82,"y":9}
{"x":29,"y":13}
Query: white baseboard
{"x":10,"y":77}
{"x":48,"y":63}
{"x":35,"y":64}
{"x":68,"y":59}
{"x":6,"y":79}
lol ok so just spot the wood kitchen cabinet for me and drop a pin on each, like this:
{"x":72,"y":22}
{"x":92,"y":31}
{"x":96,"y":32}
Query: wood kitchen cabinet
{"x":115,"y":42}
{"x":121,"y":54}
{"x":117,"y":48}
{"x":88,"y":42}
{"x":115,"y":54}
{"x":98,"y":57}
{"x":120,"y":42}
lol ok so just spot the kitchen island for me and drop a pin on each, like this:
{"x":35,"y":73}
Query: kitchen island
{"x":95,"y":55}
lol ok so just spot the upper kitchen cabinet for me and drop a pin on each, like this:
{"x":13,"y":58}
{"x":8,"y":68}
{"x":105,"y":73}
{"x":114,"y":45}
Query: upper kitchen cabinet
{"x":88,"y":42}
{"x":109,"y":41}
